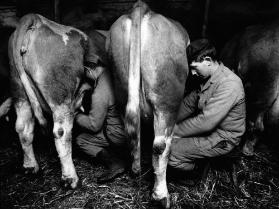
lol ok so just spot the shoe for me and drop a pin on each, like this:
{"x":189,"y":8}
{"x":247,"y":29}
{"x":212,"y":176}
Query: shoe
{"x":188,"y":178}
{"x":115,"y":166}
{"x":184,"y":178}
{"x":109,"y":175}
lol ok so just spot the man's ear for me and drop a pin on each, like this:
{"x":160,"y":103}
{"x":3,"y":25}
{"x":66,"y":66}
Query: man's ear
{"x":207,"y":58}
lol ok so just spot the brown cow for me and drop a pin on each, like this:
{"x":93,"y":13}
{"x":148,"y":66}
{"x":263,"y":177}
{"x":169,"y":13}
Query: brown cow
{"x":254,"y":55}
{"x":148,"y":53}
{"x":46,"y":62}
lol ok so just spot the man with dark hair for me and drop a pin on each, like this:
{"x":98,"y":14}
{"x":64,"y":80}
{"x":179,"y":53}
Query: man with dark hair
{"x":211,"y":119}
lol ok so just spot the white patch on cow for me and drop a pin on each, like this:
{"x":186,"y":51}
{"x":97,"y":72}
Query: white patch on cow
{"x":160,"y":163}
{"x":133,"y":103}
{"x":65,"y":38}
{"x":26,"y":143}
{"x":63,"y":120}
{"x":61,"y":30}
{"x":25,"y":129}
{"x":145,"y":34}
{"x":128,"y":25}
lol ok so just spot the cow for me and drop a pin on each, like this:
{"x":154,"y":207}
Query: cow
{"x":148,"y":56}
{"x":47,"y":72}
{"x":253,"y":54}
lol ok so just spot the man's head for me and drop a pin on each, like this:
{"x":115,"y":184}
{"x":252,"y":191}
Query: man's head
{"x":202,"y":58}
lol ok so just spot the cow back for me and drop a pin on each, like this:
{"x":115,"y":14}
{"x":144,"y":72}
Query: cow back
{"x":163,"y":60}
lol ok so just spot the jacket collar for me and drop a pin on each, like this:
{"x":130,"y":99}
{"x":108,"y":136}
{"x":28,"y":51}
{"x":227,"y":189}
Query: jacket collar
{"x":213,"y":78}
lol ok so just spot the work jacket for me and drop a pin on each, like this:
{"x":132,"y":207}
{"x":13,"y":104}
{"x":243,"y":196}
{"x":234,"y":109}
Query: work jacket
{"x":102,"y":113}
{"x":216,"y":109}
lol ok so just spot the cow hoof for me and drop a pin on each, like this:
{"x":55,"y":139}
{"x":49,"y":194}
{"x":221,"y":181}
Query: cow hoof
{"x":248,"y":149}
{"x":136,"y":169}
{"x":163,"y":202}
{"x":135,"y":173}
{"x":30,"y":170}
{"x":70,"y":183}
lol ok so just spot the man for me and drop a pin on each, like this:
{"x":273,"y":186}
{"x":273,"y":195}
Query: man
{"x":211,"y":119}
{"x":102,"y":133}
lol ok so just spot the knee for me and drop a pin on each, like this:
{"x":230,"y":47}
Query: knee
{"x":180,"y":164}
{"x":118,"y":141}
{"x":175,"y":157}
{"x":179,"y":161}
{"x":80,"y":141}
{"x":174,"y":160}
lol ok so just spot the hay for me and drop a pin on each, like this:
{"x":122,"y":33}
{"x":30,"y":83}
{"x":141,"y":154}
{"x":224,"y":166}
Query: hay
{"x":216,"y":191}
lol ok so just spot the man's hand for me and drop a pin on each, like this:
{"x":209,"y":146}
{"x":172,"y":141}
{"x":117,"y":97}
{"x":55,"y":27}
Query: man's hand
{"x":79,"y":111}
{"x":5,"y":107}
{"x":93,"y":73}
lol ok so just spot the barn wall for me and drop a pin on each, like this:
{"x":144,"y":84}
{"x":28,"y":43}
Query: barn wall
{"x":188,"y":12}
{"x":226,"y":17}
{"x":43,"y":7}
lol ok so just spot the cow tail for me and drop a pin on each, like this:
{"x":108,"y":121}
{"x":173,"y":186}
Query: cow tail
{"x":19,"y":48}
{"x":132,"y":117}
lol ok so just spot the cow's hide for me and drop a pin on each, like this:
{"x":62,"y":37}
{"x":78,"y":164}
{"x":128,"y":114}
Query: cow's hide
{"x":253,"y":55}
{"x":148,"y":54}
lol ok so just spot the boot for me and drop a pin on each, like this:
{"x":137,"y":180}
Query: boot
{"x":189,"y":178}
{"x":114,"y":163}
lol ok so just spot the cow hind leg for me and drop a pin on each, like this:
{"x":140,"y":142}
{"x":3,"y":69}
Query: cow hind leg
{"x":25,"y":123}
{"x":62,"y":130}
{"x":161,"y":150}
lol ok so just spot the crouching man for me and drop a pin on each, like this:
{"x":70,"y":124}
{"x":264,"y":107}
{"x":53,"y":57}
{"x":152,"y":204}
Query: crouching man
{"x":101,"y":133}
{"x":211,"y":119}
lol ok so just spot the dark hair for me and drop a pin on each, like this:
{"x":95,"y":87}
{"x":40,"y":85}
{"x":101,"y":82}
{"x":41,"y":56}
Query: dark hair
{"x":199,"y":49}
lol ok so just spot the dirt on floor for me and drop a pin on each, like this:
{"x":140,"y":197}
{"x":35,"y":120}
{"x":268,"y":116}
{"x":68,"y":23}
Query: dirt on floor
{"x":257,"y":184}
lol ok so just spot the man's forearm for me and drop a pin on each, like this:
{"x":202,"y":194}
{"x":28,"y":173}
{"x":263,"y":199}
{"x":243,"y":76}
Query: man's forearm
{"x":85,"y":122}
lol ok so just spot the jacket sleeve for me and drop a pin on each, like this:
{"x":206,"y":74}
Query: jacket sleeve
{"x":216,"y":109}
{"x":188,"y":106}
{"x":94,"y":120}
